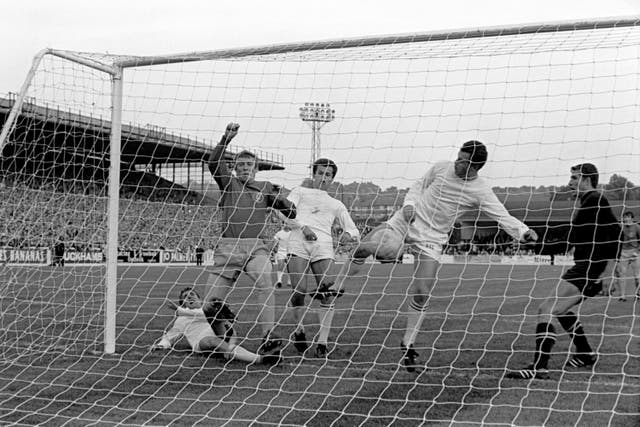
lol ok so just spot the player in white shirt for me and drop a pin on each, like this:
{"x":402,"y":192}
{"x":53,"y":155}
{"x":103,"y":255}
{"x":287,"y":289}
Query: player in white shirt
{"x":207,"y":327}
{"x":311,"y":246}
{"x":430,"y":210}
{"x":280,"y":258}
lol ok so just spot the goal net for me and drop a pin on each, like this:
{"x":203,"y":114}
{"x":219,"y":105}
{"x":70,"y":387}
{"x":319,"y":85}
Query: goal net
{"x":110,"y":210}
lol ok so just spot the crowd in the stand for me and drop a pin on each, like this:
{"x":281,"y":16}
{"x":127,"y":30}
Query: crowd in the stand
{"x":77,"y":215}
{"x":41,"y":215}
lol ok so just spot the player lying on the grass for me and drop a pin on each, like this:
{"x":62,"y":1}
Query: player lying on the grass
{"x":430,"y":210}
{"x":628,"y":265}
{"x":280,"y":257}
{"x":594,"y":234}
{"x":311,"y":247}
{"x":245,"y":247}
{"x":208,"y":327}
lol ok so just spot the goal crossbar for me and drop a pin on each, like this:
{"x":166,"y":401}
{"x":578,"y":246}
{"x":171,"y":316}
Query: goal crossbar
{"x":495,"y":31}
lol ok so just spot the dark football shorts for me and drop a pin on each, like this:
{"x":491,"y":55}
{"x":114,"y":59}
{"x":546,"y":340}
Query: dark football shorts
{"x":585,"y":276}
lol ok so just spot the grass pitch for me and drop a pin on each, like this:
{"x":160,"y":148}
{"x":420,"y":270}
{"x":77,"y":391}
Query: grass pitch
{"x":481,"y":320}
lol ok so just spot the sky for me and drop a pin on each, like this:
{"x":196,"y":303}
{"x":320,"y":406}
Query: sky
{"x":414,"y":132}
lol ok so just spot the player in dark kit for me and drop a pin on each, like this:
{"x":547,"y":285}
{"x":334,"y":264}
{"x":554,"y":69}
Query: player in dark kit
{"x":594,"y":235}
{"x":245,"y":246}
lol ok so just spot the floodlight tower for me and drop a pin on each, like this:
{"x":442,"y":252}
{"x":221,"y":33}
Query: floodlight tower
{"x":316,"y":115}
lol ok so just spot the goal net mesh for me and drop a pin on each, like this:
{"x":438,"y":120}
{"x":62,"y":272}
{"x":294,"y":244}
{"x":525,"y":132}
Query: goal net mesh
{"x":541,"y":102}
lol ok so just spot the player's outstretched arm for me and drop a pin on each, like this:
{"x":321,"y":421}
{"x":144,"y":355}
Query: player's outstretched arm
{"x":491,"y":206}
{"x":217,"y":165}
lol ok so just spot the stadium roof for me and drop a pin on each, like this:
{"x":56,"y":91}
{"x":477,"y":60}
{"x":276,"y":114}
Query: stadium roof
{"x":55,"y":129}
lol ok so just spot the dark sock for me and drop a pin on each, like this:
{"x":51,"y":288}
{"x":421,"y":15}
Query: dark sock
{"x":545,"y":339}
{"x":570,"y":323}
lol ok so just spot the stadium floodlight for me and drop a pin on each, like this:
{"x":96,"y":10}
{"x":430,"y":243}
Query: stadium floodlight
{"x":316,"y":115}
{"x":75,"y":151}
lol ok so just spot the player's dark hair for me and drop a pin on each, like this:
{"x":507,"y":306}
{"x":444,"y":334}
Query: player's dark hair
{"x":629,"y":214}
{"x":588,"y":170}
{"x":477,"y":151}
{"x":327,"y":163}
{"x":183,"y":293}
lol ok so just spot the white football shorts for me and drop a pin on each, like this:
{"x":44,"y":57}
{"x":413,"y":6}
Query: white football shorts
{"x":311,"y":250}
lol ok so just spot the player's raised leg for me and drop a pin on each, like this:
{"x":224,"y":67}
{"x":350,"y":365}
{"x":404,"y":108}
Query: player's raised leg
{"x":383,"y":243}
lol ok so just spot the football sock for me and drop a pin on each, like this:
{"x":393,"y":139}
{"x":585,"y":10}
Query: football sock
{"x":545,"y":339}
{"x":415,"y":316}
{"x":240,"y":353}
{"x":570,"y":323}
{"x":326,"y":318}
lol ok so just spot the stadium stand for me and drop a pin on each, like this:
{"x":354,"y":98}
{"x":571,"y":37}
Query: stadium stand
{"x":56,"y":158}
{"x":59,"y":157}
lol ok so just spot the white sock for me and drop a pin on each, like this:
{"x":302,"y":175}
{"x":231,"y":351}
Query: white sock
{"x":326,"y":318}
{"x":415,"y":316}
{"x":240,"y":353}
{"x":279,"y":275}
{"x":623,"y":287}
{"x":298,"y":317}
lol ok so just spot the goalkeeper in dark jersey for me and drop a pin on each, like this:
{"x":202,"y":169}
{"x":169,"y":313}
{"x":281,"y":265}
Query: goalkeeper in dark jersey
{"x":244,"y":245}
{"x":595,"y":237}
